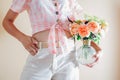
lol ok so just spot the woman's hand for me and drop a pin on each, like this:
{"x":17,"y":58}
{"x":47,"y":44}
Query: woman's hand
{"x":97,"y":55}
{"x":30,"y":44}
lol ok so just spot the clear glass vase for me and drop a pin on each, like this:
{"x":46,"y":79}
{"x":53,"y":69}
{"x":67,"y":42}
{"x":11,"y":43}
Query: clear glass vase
{"x":85,"y":53}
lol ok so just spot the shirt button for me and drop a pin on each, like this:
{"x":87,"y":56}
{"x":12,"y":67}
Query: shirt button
{"x":56,"y":12}
{"x":57,"y":20}
{"x":55,"y":4}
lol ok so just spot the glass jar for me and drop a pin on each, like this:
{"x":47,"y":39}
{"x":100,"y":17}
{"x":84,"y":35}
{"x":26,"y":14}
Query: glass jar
{"x":84,"y":54}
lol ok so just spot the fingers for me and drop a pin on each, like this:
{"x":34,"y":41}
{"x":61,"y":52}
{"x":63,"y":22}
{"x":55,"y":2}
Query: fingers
{"x":92,"y":64}
{"x":89,"y":65}
{"x":30,"y":44}
{"x":35,"y":42}
{"x":32,"y":49}
{"x":35,"y":49}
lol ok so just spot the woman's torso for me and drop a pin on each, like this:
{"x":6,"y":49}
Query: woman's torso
{"x":43,"y":16}
{"x":42,"y":36}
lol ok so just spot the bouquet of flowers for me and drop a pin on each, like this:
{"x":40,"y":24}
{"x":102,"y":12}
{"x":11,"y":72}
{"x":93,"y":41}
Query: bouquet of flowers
{"x":90,"y":28}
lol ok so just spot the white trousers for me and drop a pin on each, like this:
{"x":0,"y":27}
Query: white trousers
{"x":46,"y":66}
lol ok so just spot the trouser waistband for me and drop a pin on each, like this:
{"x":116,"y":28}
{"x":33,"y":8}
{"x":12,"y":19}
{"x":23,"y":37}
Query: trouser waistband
{"x":45,"y":44}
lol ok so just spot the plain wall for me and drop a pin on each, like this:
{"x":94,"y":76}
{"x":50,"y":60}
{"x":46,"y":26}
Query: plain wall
{"x":13,"y":55}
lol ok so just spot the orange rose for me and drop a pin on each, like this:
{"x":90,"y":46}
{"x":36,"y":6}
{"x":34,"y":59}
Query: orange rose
{"x":93,"y":26}
{"x":83,"y":31}
{"x":74,"y":28}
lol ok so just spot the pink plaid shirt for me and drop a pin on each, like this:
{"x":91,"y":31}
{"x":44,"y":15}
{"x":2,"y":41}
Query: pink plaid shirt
{"x":49,"y":14}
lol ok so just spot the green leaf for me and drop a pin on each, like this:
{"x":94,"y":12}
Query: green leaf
{"x":78,"y":21}
{"x":78,"y":37}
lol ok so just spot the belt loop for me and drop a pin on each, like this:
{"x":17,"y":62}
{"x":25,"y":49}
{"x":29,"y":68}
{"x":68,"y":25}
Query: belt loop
{"x":40,"y":45}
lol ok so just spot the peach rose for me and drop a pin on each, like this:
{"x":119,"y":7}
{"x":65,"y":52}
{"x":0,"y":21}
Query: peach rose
{"x":83,"y":31}
{"x":93,"y":26}
{"x":74,"y":28}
